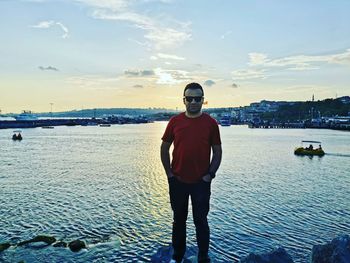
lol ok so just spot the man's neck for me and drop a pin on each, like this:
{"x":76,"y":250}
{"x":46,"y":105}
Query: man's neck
{"x":190,"y":115}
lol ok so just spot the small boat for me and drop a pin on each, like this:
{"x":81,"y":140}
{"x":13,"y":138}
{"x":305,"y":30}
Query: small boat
{"x":105,"y":125}
{"x":225,"y":121}
{"x":17,"y":135}
{"x":47,"y":127}
{"x":310,"y":150}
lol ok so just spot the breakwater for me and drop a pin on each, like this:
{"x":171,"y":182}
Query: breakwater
{"x":15,"y":124}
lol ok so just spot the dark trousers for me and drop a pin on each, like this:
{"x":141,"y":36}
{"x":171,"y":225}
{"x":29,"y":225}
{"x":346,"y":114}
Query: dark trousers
{"x":200,"y":195}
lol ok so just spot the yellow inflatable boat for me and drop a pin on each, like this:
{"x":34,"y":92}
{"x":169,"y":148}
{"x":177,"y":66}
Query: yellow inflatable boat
{"x":310,"y":150}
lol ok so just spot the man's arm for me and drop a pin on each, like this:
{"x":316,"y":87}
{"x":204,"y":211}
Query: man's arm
{"x":215,"y":162}
{"x":165,"y":157}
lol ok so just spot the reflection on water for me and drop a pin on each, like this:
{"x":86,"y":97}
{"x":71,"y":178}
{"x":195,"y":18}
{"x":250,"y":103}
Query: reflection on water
{"x":107,"y":187}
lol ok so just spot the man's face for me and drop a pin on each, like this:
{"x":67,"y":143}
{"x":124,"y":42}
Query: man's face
{"x":193,"y":100}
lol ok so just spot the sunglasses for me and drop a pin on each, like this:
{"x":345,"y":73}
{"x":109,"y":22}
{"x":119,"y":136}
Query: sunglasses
{"x":190,"y":98}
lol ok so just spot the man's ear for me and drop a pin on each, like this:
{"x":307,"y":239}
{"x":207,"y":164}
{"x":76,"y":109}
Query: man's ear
{"x":184,"y":101}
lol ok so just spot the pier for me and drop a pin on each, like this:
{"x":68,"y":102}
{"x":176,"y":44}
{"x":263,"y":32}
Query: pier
{"x":277,"y":125}
{"x":301,"y":125}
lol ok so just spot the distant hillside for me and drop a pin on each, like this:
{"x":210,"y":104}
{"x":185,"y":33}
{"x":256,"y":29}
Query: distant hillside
{"x":311,"y":109}
{"x":102,"y":112}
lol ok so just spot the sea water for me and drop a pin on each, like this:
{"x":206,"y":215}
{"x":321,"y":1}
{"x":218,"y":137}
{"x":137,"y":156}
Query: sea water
{"x":106,"y":186}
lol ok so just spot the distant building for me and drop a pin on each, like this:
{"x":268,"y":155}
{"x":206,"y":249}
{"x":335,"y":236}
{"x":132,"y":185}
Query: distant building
{"x":266,"y":106}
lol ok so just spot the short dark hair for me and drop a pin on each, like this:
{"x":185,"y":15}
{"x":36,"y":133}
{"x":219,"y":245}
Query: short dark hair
{"x":193,"y":85}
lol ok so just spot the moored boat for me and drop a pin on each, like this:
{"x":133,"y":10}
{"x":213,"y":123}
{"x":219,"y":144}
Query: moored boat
{"x":26,"y":115}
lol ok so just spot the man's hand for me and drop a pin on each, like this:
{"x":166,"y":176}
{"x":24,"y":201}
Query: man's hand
{"x":170,"y":174}
{"x":206,"y":178}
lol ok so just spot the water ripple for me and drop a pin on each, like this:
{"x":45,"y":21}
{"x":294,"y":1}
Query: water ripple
{"x":107,"y":187}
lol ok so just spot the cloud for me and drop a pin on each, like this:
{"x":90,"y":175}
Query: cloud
{"x":167,"y":37}
{"x":257,"y":58}
{"x":209,"y":83}
{"x":48,"y":68}
{"x":260,"y":63}
{"x":169,"y":56}
{"x":139,"y":73}
{"x":341,"y":58}
{"x":64,"y":28}
{"x":44,"y":24}
{"x":299,"y":62}
{"x":160,"y":32}
{"x":157,"y":33}
{"x":138,"y":86}
{"x":244,"y":74}
{"x":234,"y":85}
{"x":114,"y":5}
{"x":51,"y":23}
{"x":171,"y":76}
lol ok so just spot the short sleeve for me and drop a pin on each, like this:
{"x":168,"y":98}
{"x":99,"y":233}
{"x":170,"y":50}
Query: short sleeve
{"x":215,"y":135}
{"x":168,"y":135}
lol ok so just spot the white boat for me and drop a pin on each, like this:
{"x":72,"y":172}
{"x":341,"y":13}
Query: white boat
{"x":26,"y":116}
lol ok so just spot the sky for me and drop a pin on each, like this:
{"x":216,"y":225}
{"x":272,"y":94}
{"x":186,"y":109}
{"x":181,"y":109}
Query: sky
{"x":80,"y":54}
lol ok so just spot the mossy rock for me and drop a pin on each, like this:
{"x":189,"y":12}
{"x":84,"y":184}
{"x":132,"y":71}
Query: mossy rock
{"x":76,"y":245}
{"x":41,"y":238}
{"x":4,"y":246}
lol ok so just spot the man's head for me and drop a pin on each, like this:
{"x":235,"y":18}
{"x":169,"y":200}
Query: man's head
{"x":193,"y":98}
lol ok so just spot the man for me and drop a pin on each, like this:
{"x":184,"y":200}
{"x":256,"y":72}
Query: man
{"x":194,"y":135}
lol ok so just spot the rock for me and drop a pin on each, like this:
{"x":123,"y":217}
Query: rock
{"x":278,"y":255}
{"x":41,"y":238}
{"x":164,"y":254}
{"x":4,"y":246}
{"x":60,"y":244}
{"x":76,"y":245}
{"x":337,"y":251}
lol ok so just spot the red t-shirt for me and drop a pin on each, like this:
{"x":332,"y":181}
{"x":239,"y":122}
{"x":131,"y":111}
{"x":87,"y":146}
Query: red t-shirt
{"x":193,"y":138}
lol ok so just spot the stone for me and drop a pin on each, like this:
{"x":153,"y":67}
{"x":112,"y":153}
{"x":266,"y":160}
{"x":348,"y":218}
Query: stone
{"x":76,"y":245}
{"x":337,"y":251}
{"x":40,"y":238}
{"x":60,"y":244}
{"x":4,"y":246}
{"x":278,"y":255}
{"x":164,"y":254}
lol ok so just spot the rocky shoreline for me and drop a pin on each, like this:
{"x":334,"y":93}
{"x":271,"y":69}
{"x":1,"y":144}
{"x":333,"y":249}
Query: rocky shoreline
{"x":336,"y":251}
{"x":44,"y":241}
